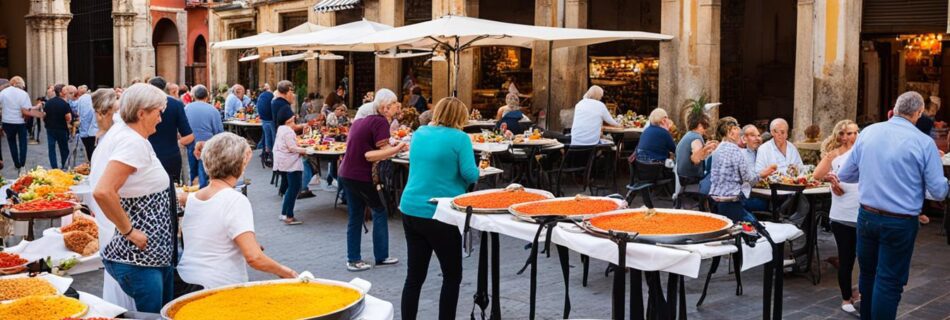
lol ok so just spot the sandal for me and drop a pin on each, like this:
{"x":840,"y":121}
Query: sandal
{"x":292,"y":222}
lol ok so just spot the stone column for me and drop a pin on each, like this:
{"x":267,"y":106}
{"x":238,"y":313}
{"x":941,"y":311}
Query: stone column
{"x":46,"y":28}
{"x":689,"y":64}
{"x":443,"y":74}
{"x":826,"y":67}
{"x":134,"y":56}
{"x":327,"y":79}
{"x":389,"y":71}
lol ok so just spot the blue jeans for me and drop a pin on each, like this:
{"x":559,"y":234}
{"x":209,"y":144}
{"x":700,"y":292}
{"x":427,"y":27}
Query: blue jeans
{"x":290,"y":187}
{"x":332,"y":173}
{"x":58,"y":137}
{"x":196,"y":169}
{"x":268,"y":132}
{"x":150,"y":287}
{"x":885,"y":246}
{"x":307,"y":176}
{"x":755,"y":204}
{"x":16,"y":138}
{"x":357,"y":195}
{"x":735,"y":211}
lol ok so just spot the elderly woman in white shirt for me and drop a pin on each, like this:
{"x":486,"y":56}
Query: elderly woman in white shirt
{"x":778,"y":151}
{"x":131,"y":193}
{"x":589,"y":117}
{"x":218,"y":225}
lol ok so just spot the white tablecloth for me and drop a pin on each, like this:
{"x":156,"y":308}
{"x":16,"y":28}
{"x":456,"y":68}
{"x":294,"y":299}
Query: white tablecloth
{"x":810,"y":191}
{"x":51,"y":245}
{"x":680,"y":259}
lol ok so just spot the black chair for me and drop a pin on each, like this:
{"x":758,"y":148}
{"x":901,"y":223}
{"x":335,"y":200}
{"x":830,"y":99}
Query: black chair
{"x":691,"y":191}
{"x":644,"y":177}
{"x":523,"y":164}
{"x":577,"y":160}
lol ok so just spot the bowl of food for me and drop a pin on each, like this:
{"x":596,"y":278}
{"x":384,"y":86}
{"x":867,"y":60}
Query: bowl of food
{"x":42,"y":209}
{"x":574,"y":208}
{"x":669,"y":226}
{"x":498,"y":200}
{"x":51,"y":307}
{"x":302,"y":298}
{"x":11,"y":263}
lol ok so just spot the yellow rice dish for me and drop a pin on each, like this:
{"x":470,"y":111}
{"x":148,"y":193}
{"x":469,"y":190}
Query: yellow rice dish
{"x":42,"y":308}
{"x":273,"y":301}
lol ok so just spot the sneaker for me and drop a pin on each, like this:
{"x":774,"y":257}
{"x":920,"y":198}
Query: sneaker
{"x":387,"y":261}
{"x":292,"y":222}
{"x":849,"y":308}
{"x":282,"y":218}
{"x":328,"y":187}
{"x":305,"y":195}
{"x":358,"y":266}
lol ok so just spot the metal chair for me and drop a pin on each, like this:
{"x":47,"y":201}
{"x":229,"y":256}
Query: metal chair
{"x":576,"y":160}
{"x":643,"y":177}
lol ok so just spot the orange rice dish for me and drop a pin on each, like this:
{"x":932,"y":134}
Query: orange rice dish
{"x":271,"y":301}
{"x":42,"y":308}
{"x":568,"y":207}
{"x":497,"y":200}
{"x":659,"y":224}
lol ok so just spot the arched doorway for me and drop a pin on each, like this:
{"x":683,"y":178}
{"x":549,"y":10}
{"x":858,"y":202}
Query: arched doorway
{"x":198,"y":72}
{"x":90,"y":44}
{"x":165,"y":42}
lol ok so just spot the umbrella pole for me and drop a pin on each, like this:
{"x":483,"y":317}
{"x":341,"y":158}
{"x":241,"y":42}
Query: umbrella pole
{"x":548,"y":114}
{"x":458,"y":58}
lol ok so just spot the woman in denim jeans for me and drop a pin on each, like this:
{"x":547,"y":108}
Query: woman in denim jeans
{"x":730,"y":169}
{"x":131,"y":190}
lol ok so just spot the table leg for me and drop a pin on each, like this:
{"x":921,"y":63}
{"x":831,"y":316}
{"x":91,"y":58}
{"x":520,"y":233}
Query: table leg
{"x":767,"y":287}
{"x":778,"y":253}
{"x":481,"y":291}
{"x":495,"y":278}
{"x":29,"y":231}
{"x":563,"y":254}
{"x":636,"y":295}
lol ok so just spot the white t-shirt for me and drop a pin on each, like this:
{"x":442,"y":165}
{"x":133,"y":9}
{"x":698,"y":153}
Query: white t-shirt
{"x":769,"y":154}
{"x":844,"y":207}
{"x":14,"y":100}
{"x":589,"y":118}
{"x":211,"y":257}
{"x":124,"y":145}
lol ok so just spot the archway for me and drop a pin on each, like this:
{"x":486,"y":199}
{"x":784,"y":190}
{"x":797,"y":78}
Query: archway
{"x":165,"y":42}
{"x":198,"y":73}
{"x":90,"y":44}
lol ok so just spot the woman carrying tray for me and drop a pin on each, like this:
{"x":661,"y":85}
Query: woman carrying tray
{"x":443,"y":165}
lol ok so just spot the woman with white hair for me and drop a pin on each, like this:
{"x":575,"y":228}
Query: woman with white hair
{"x":656,"y":143}
{"x":589,"y":117}
{"x":131,"y":192}
{"x":368,"y":142}
{"x":218,"y":225}
{"x":511,"y":115}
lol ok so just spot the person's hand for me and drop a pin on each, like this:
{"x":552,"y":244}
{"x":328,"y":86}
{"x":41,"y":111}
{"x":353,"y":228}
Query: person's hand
{"x":182,"y":198}
{"x":836,"y":189}
{"x":768,"y":170}
{"x":139,"y":239}
{"x":402,"y":146}
{"x":198,"y":147}
{"x":832,"y":178}
{"x":288,"y":273}
{"x":710,"y":147}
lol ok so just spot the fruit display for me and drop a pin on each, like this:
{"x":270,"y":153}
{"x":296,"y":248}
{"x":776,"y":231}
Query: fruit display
{"x":330,"y":147}
{"x":40,"y":183}
{"x":632,"y":120}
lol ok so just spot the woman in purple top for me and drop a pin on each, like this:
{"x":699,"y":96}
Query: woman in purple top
{"x":368,"y":142}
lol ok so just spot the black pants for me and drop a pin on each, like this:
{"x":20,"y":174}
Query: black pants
{"x":423,"y":236}
{"x":172,"y":165}
{"x":846,"y":239}
{"x":89,"y":143}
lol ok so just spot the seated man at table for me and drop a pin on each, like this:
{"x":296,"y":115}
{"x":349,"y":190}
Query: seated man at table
{"x":778,"y":151}
{"x":589,"y":117}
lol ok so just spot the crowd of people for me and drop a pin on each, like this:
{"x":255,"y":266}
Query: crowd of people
{"x":133,"y":138}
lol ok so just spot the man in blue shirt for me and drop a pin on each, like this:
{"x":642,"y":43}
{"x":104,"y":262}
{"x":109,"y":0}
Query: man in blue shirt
{"x":173,"y":131}
{"x":900,"y":165}
{"x":87,"y":122}
{"x":234,"y":102}
{"x":267,"y":122}
{"x":205,"y":121}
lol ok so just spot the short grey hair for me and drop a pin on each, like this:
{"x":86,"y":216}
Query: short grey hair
{"x":384,"y":97}
{"x":103,"y":100}
{"x":775,"y":123}
{"x":266,"y":86}
{"x":284,"y":86}
{"x":200,"y":92}
{"x":83,"y":88}
{"x":908,"y":103}
{"x":235,"y":88}
{"x":747,"y":127}
{"x":657,"y":116}
{"x":595,"y":92}
{"x":140,"y":97}
{"x":223,"y":156}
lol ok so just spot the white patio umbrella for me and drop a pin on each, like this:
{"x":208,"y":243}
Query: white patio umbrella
{"x":261,"y":39}
{"x":324,"y":38}
{"x":456,"y":33}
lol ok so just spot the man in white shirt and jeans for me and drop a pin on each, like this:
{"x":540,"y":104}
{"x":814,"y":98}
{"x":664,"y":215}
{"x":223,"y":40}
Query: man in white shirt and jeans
{"x":778,"y":150}
{"x":16,"y":105}
{"x":589,"y":117}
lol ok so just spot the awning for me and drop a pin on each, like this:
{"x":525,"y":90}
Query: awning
{"x":335,"y":5}
{"x":283,"y":59}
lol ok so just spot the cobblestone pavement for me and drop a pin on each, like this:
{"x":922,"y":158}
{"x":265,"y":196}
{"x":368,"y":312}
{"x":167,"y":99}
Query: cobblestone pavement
{"x":319,"y":246}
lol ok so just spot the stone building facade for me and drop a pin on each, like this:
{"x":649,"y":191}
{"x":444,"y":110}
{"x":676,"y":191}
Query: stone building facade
{"x":797,"y":59}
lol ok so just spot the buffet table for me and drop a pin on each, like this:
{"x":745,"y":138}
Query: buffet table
{"x":249,"y":130}
{"x":682,"y":260}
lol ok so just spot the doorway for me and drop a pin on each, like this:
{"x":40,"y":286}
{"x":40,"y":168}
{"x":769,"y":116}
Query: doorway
{"x":165,"y":42}
{"x":90,"y":44}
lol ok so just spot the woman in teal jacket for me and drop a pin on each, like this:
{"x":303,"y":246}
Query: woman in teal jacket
{"x":442,"y":166}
